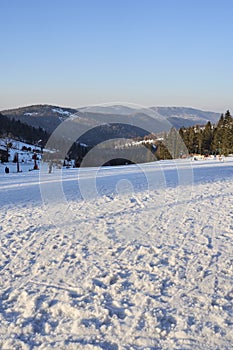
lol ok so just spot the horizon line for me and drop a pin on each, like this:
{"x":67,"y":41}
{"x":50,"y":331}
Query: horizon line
{"x":111,"y":104}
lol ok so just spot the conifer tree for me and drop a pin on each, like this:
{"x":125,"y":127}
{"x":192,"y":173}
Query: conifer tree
{"x":207,"y":138}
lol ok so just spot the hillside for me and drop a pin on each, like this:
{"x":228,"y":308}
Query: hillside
{"x":184,"y":116}
{"x":21,"y":131}
{"x":45,"y":116}
{"x":177,"y":116}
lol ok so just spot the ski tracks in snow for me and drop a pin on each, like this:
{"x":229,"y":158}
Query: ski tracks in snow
{"x":142,"y":271}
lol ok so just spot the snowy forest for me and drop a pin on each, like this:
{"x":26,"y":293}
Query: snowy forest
{"x":207,"y":140}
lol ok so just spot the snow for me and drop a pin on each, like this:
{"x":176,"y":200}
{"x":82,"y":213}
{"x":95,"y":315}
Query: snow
{"x":61,"y":111}
{"x":26,"y":161}
{"x":135,"y":257}
{"x":136,"y":143}
{"x":30,"y":113}
{"x":83,"y":144}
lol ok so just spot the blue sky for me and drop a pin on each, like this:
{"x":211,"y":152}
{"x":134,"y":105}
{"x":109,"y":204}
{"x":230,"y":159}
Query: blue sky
{"x":149,"y":52}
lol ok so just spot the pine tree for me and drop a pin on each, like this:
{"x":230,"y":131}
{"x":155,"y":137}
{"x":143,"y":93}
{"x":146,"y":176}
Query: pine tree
{"x":207,"y":138}
{"x":218,"y":136}
{"x":223,"y":135}
{"x":227,"y":134}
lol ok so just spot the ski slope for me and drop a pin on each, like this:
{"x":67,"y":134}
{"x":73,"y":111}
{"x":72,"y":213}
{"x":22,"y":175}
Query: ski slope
{"x":134,"y":257}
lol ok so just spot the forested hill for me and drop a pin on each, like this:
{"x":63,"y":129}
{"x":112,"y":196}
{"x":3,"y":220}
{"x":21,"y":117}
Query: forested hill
{"x":21,"y":131}
{"x":208,"y":139}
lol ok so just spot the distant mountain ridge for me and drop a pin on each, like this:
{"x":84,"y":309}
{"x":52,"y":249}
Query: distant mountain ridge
{"x":49,"y":117}
{"x":177,"y":116}
{"x":187,"y":116}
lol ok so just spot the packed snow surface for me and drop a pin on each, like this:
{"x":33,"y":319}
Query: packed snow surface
{"x":135,"y":257}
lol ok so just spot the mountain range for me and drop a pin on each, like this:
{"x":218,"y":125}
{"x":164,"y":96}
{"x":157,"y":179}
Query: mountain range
{"x":49,"y":117}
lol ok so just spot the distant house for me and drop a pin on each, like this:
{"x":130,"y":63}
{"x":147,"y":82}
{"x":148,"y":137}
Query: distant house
{"x":3,"y":154}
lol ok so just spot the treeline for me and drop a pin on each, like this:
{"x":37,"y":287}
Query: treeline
{"x":216,"y":139}
{"x":211,"y":139}
{"x":22,"y":132}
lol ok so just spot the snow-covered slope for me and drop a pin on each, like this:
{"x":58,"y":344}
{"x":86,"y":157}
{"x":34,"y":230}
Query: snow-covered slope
{"x":136,"y":257}
{"x":25,"y":153}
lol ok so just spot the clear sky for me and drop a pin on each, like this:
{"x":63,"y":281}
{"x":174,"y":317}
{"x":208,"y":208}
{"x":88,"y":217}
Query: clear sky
{"x":150,"y":52}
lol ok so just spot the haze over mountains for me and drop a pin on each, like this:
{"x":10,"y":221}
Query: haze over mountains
{"x":49,"y":117}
